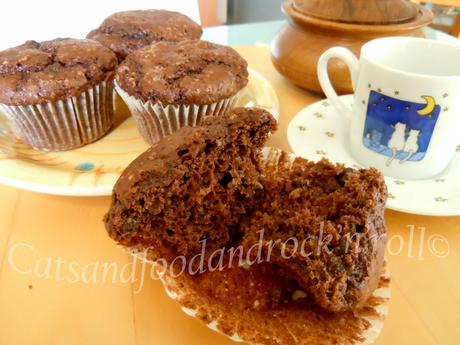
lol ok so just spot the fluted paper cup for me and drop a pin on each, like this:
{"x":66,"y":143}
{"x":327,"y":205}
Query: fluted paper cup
{"x":156,"y":121}
{"x":64,"y":124}
{"x":195,"y":304}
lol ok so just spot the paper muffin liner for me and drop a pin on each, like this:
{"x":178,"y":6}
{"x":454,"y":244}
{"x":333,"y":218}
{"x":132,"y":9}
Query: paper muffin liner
{"x":372,"y":316}
{"x":64,"y":124}
{"x":156,"y":121}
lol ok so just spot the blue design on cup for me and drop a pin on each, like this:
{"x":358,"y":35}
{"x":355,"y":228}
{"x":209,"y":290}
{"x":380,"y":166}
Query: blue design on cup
{"x":398,"y":129}
{"x":85,"y":166}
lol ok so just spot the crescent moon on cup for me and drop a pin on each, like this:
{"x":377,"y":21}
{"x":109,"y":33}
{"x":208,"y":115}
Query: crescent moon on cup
{"x":429,"y":108}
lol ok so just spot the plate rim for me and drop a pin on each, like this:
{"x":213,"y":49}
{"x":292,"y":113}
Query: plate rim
{"x":56,"y":190}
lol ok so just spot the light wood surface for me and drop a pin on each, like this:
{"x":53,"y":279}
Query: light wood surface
{"x":38,"y":308}
{"x":440,"y":2}
{"x":453,"y":3}
{"x":456,"y":29}
{"x":208,"y":13}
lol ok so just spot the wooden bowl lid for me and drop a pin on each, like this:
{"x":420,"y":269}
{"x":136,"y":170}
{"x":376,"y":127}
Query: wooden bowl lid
{"x":375,"y":12}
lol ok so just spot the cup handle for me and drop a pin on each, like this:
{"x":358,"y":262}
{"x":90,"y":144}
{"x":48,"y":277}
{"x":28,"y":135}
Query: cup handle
{"x":353,"y":64}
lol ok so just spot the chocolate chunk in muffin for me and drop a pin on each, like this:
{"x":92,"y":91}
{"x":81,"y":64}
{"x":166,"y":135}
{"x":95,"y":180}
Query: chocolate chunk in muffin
{"x":35,"y":73}
{"x":187,"y":72}
{"x":125,"y":32}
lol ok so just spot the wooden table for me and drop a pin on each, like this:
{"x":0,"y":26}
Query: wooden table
{"x":54,"y":250}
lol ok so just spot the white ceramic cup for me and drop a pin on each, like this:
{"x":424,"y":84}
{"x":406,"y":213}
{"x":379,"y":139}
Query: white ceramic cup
{"x":405,"y":119}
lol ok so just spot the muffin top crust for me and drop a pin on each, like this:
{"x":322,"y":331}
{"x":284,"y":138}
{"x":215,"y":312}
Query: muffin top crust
{"x":35,"y":73}
{"x":125,"y":32}
{"x":186,"y":72}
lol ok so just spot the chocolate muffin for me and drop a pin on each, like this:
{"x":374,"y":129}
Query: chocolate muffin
{"x":125,"y":32}
{"x":168,"y":85}
{"x":323,"y":226}
{"x":58,"y":94}
{"x":208,"y":189}
{"x":192,"y":186}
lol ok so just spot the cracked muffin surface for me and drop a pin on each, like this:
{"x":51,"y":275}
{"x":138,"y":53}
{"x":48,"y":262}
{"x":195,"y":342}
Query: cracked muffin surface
{"x":186,"y":72}
{"x":127,"y":31}
{"x":39,"y":72}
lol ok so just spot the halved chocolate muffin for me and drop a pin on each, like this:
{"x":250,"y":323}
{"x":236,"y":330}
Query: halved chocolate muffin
{"x":207,"y":190}
{"x":193,"y":185}
{"x":323,"y":226}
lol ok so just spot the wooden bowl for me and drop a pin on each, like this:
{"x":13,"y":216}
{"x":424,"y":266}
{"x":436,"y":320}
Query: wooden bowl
{"x":298,"y":46}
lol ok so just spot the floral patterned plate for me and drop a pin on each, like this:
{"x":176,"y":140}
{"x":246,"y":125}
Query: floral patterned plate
{"x":93,"y":169}
{"x":319,"y":131}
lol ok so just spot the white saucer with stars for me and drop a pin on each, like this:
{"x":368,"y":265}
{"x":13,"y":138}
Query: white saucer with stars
{"x":319,"y":131}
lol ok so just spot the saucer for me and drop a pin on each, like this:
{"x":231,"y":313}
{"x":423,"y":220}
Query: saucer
{"x":319,"y":131}
{"x":93,"y":169}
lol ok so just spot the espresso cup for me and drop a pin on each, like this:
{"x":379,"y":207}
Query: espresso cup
{"x":405,"y":118}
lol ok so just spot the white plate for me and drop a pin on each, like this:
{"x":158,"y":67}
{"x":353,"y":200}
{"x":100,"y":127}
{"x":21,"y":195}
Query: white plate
{"x":93,"y":169}
{"x":319,"y":131}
